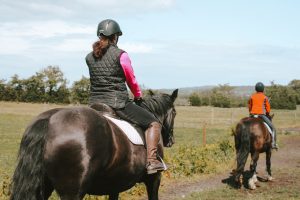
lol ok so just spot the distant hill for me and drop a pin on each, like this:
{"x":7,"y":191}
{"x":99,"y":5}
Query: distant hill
{"x":187,"y":91}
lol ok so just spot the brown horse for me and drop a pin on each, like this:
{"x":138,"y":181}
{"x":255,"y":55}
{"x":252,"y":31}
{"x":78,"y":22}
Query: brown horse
{"x":251,"y":135}
{"x":78,"y":151}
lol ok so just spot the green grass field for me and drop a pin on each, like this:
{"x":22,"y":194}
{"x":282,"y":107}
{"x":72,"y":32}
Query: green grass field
{"x":189,"y":126}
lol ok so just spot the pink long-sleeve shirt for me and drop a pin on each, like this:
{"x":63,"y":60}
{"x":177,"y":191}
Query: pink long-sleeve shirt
{"x":129,"y":74}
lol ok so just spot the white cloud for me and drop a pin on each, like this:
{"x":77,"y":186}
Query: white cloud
{"x":78,"y":9}
{"x":10,"y":45}
{"x":50,"y":9}
{"x":31,"y":37}
{"x":74,"y":45}
{"x":43,"y":29}
{"x":84,"y":45}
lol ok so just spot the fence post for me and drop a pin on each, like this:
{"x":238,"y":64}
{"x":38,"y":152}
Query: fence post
{"x":295,"y":117}
{"x":204,"y":134}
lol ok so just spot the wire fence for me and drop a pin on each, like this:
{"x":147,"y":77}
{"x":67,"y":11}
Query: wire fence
{"x":197,"y":117}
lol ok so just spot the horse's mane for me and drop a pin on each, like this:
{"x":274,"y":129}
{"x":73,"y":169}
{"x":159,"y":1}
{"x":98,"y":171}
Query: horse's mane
{"x":159,"y":103}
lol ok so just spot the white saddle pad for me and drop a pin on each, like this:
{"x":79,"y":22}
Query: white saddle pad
{"x":128,"y":129}
{"x":268,"y":127}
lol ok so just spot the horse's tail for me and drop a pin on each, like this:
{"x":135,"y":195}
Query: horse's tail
{"x":242,"y":145}
{"x":28,"y":178}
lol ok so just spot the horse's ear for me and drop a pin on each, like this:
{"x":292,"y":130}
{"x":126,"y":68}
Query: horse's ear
{"x":174,"y":94}
{"x":150,"y":92}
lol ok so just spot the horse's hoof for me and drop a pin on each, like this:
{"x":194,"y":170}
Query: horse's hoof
{"x":254,"y":178}
{"x":238,"y":186}
{"x":251,"y":184}
{"x":270,"y":178}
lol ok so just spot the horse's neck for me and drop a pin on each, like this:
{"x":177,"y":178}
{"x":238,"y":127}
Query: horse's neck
{"x":153,"y":110}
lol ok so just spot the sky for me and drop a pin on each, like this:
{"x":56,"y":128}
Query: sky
{"x":171,"y":43}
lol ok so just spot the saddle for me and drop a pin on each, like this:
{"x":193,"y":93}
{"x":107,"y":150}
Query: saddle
{"x":134,"y":133}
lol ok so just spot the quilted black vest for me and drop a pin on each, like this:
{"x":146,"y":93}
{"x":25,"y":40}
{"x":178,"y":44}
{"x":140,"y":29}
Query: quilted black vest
{"x":108,"y":79}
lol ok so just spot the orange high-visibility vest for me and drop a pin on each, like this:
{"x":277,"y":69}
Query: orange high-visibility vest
{"x":259,"y":104}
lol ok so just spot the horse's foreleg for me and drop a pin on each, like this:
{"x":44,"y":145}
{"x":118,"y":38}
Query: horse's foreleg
{"x":268,"y":164}
{"x":253,"y":164}
{"x":114,"y":196}
{"x":253,"y":179}
{"x":48,"y":188}
{"x":152,"y":184}
{"x":241,"y":161}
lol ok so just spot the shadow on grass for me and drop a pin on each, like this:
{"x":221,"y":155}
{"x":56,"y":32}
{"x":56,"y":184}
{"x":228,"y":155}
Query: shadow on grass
{"x":246,"y":176}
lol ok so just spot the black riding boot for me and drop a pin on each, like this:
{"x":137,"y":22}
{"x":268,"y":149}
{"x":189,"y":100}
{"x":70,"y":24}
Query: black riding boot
{"x":152,"y":139}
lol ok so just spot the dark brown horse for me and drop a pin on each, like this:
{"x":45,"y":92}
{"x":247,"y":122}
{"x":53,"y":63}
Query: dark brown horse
{"x":77,"y":151}
{"x":251,"y":135}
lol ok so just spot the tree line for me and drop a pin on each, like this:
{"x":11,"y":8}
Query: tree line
{"x":50,"y":86}
{"x":281,"y":97}
{"x":46,"y":86}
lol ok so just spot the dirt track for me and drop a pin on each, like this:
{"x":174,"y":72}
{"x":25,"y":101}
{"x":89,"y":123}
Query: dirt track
{"x":288,"y":156}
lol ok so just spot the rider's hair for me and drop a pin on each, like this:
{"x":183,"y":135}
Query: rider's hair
{"x":101,"y":46}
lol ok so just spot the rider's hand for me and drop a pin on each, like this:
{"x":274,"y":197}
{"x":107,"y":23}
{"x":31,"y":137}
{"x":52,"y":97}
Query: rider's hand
{"x":138,"y":100}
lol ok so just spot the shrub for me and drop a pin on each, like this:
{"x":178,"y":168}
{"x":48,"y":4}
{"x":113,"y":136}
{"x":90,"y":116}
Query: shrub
{"x":282,"y":97}
{"x":191,"y":160}
{"x":194,"y":100}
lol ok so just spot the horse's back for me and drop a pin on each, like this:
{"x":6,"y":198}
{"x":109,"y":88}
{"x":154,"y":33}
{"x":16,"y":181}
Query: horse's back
{"x":255,"y":129}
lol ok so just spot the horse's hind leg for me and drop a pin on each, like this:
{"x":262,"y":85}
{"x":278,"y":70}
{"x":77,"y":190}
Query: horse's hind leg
{"x":152,"y":184}
{"x":253,"y":179}
{"x":268,"y":164}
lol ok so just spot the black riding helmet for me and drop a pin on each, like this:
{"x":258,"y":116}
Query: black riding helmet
{"x":259,"y":87}
{"x":108,"y":27}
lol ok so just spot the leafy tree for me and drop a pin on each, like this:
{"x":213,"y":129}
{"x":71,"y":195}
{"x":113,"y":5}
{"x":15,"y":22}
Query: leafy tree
{"x":221,"y":96}
{"x":80,"y":91}
{"x":55,"y":85}
{"x":194,"y":99}
{"x":34,"y":89}
{"x":220,"y":100}
{"x":2,"y":89}
{"x":14,"y":89}
{"x":281,"y":97}
{"x":295,"y":85}
{"x":205,"y":98}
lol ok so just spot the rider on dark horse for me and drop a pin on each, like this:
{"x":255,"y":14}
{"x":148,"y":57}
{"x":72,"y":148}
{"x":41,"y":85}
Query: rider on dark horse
{"x":110,"y":70}
{"x":259,"y":105}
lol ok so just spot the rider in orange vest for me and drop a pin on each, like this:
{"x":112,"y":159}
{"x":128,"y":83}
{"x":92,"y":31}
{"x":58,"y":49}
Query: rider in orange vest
{"x":259,"y":105}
